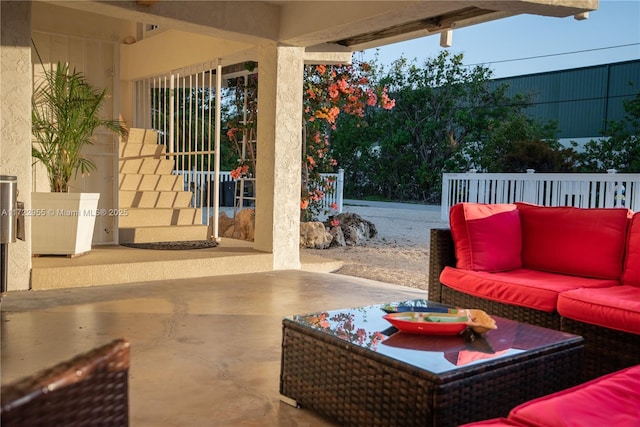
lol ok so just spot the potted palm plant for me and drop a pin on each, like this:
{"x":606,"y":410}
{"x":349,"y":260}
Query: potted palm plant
{"x":65,"y":114}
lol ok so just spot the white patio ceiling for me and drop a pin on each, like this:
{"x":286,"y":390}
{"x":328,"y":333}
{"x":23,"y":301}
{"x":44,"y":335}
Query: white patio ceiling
{"x":328,"y":26}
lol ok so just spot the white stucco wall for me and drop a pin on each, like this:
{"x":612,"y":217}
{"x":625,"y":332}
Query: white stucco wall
{"x":89,"y":43}
{"x":15,"y":119}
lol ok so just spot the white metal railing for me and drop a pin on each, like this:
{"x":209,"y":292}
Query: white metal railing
{"x":184,"y":107}
{"x":584,"y":190}
{"x":200,"y":183}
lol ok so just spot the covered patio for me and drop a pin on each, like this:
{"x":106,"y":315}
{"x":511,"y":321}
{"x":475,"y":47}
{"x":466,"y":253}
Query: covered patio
{"x":115,"y":43}
{"x":204,"y":351}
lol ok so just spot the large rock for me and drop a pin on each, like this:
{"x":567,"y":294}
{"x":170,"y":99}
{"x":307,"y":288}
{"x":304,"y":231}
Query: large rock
{"x":224,"y":223}
{"x":245,"y":225}
{"x":356,"y":230}
{"x":314,"y":235}
{"x":352,"y":230}
{"x":337,"y":236}
{"x":241,"y":227}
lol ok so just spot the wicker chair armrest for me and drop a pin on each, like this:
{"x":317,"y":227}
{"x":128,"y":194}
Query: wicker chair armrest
{"x":441,"y":254}
{"x":91,"y":389}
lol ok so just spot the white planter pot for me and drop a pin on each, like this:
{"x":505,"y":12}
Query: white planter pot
{"x":62,"y":223}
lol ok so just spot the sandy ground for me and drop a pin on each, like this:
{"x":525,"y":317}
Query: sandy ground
{"x":400,"y":252}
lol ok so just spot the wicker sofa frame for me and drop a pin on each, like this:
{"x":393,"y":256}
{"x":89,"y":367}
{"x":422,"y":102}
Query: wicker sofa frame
{"x":606,"y":350}
{"x":90,"y":389}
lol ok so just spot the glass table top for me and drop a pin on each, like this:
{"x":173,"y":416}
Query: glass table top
{"x":365,"y":327}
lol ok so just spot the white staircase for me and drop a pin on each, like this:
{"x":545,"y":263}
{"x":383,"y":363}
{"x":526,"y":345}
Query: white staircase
{"x":158,"y":208}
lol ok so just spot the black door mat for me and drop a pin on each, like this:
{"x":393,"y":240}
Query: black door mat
{"x":173,"y":246}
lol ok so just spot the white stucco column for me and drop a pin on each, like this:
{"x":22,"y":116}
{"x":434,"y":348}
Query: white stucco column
{"x":280,"y":73}
{"x":15,"y":118}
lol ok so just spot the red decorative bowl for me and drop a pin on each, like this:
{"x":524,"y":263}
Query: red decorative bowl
{"x":428,"y":323}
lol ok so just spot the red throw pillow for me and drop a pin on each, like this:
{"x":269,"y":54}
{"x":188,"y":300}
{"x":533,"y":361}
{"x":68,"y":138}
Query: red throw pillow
{"x":487,"y":237}
{"x":587,"y":242}
{"x":631,"y":271}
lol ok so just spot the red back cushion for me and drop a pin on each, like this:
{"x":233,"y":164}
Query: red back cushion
{"x":486,"y":237}
{"x":580,"y":242}
{"x":631,"y":271}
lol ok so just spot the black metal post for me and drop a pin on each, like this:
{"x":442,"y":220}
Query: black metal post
{"x":4,"y":262}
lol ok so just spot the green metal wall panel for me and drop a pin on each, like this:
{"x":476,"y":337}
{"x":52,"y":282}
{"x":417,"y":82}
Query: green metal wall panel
{"x":580,"y":100}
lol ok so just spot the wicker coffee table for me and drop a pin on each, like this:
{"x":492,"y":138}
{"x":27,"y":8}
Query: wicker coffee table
{"x":352,"y":367}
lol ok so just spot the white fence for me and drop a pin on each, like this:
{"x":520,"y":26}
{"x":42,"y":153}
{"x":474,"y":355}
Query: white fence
{"x":335,"y":193}
{"x":200,"y":183}
{"x":549,"y":189}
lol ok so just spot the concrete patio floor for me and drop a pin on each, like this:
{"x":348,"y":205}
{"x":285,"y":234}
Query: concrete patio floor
{"x":204,"y":351}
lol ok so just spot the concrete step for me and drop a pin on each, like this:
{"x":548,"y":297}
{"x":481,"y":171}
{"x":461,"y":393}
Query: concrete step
{"x":154,"y":199}
{"x":129,"y":150}
{"x":110,"y":265}
{"x":146,"y":166}
{"x":142,"y":136}
{"x":134,"y":181}
{"x":174,"y":233}
{"x":148,"y":217}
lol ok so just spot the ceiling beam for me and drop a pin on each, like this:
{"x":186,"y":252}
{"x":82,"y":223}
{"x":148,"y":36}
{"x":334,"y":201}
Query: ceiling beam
{"x":431,"y":25}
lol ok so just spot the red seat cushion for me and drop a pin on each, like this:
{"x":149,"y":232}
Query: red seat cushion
{"x":486,"y":237}
{"x":617,"y":307}
{"x":631,"y":271}
{"x":611,"y":400}
{"x":567,"y":240}
{"x":523,"y":287}
{"x":495,"y":422}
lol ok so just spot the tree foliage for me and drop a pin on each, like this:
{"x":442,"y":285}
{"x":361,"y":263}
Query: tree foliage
{"x":241,"y":123}
{"x":448,"y":118}
{"x":329,"y":91}
{"x":619,"y":148}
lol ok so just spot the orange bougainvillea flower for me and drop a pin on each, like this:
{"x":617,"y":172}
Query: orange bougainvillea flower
{"x":333,"y":112}
{"x":239,"y":171}
{"x":372,"y":98}
{"x":329,"y":91}
{"x":333,"y":91}
{"x":388,"y":104}
{"x":231,"y":133}
{"x":235,"y":174}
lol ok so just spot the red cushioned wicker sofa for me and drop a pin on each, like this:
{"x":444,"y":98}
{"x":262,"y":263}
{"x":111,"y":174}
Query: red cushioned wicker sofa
{"x":610,"y":400}
{"x":572,"y":269}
